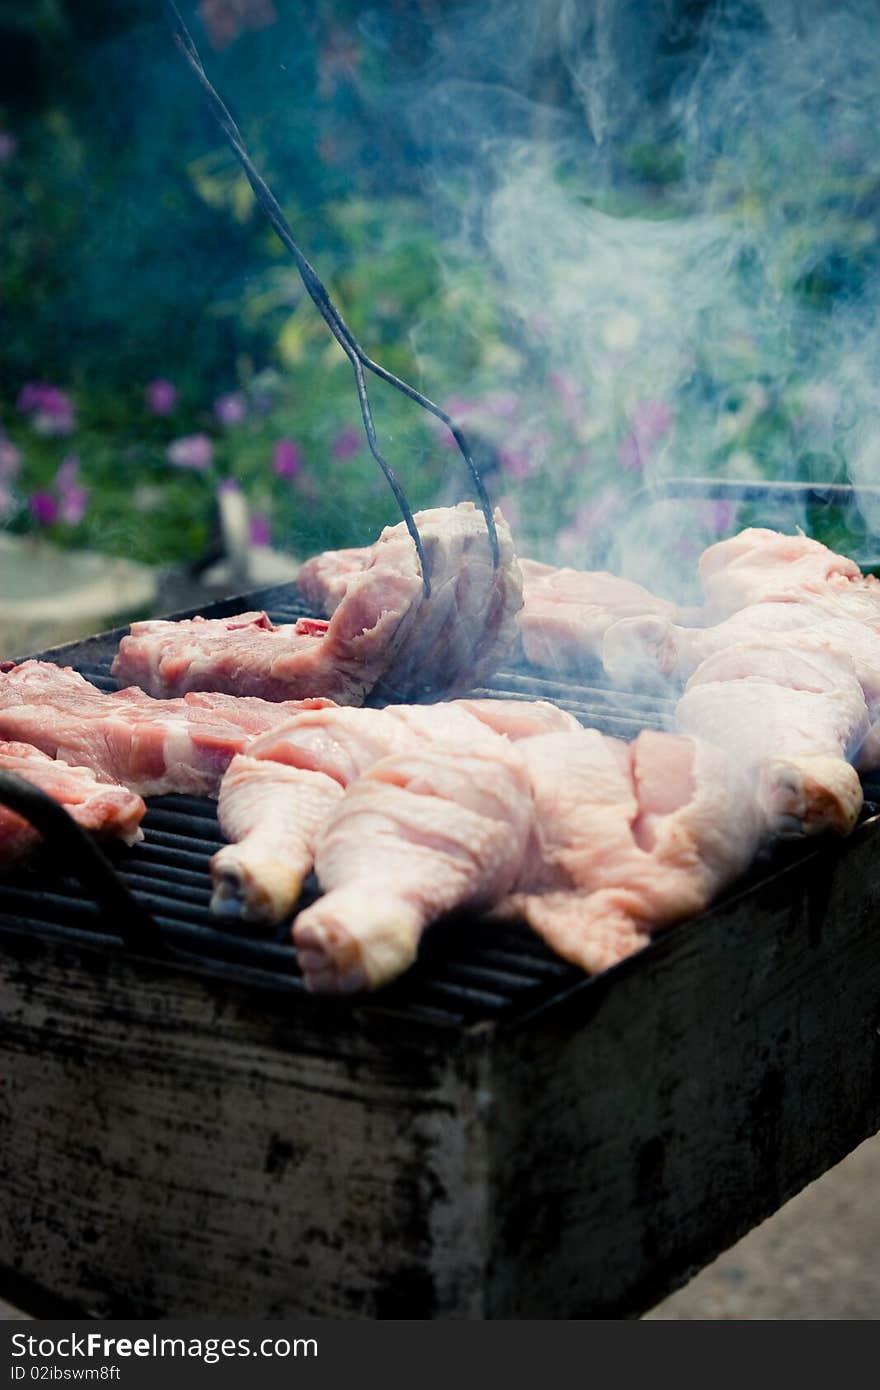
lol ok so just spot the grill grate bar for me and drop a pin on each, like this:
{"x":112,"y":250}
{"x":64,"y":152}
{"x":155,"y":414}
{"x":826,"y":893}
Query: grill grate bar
{"x":193,"y":897}
{"x":152,"y":873}
{"x":157,"y":855}
{"x":185,"y":843}
{"x":540,"y":686}
{"x":468,"y":970}
{"x":184,"y":823}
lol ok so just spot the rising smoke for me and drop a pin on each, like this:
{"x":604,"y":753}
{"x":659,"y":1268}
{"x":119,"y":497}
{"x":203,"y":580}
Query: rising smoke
{"x":685,"y":233}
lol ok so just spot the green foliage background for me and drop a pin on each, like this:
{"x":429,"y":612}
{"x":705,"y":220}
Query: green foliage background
{"x":132,"y":250}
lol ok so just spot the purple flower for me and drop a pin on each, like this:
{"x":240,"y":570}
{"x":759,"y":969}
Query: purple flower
{"x":720,"y":515}
{"x":259,"y":529}
{"x":44,"y":508}
{"x":650,"y":421}
{"x":191,"y":451}
{"x":286,"y":459}
{"x":73,"y":498}
{"x":226,"y":19}
{"x":230,"y":409}
{"x":504,"y":405}
{"x":8,"y":145}
{"x":10,"y":460}
{"x":161,"y":396}
{"x":29,"y":396}
{"x":72,"y":505}
{"x":347,"y":442}
{"x":592,"y":516}
{"x":68,"y":473}
{"x":460,"y":406}
{"x":568,"y":393}
{"x":228,"y":485}
{"x":50,"y":409}
{"x":629,"y":455}
{"x":516,"y":461}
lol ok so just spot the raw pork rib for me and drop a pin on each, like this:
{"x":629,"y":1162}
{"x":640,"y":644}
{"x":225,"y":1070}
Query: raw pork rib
{"x":595,"y":842}
{"x":323,"y":580}
{"x":154,"y":746}
{"x":382,"y":633}
{"x":274,"y":802}
{"x":102,"y":809}
{"x":795,"y":718}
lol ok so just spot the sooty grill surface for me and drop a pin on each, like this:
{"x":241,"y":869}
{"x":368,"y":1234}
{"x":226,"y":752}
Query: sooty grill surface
{"x":469,"y":969}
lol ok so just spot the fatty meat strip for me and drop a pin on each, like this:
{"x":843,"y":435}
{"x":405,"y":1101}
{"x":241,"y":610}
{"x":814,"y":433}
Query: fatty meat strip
{"x":105,"y":811}
{"x":595,"y":842}
{"x":152,"y":746}
{"x":275,"y":801}
{"x":383,"y":634}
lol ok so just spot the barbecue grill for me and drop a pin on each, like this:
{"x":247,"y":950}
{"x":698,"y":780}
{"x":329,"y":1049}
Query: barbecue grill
{"x":185,"y":1131}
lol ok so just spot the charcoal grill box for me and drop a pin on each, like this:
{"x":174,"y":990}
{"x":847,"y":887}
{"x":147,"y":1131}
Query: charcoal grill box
{"x":495,"y":1137}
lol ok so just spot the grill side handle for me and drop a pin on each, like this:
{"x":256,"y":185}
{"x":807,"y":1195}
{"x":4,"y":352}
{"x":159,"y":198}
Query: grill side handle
{"x":78,"y":853}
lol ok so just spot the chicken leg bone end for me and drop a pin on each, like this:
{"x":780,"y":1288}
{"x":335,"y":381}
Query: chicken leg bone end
{"x":336,"y":960}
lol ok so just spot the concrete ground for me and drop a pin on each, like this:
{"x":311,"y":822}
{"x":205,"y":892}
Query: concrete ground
{"x":817,"y":1258}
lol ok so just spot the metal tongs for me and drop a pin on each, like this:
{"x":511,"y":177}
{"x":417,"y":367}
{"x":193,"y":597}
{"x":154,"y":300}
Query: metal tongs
{"x":330,"y":314}
{"x":78,"y":854}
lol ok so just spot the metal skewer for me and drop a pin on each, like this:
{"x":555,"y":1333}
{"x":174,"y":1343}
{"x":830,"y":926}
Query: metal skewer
{"x":330,"y":314}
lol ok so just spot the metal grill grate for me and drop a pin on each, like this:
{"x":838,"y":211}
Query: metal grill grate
{"x":469,"y":969}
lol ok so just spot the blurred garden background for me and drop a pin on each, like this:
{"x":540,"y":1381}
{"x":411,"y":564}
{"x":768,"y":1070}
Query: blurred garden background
{"x":617,"y":242}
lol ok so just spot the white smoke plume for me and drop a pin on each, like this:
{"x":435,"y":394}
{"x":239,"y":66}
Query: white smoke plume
{"x":686,"y":241}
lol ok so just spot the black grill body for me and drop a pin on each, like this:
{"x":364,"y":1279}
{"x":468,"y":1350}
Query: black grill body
{"x":493,"y":1136}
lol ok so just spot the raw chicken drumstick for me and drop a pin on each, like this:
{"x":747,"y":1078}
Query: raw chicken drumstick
{"x":596,"y":842}
{"x":275,"y":800}
{"x":418,"y":835}
{"x":795,"y":719}
{"x":628,"y":838}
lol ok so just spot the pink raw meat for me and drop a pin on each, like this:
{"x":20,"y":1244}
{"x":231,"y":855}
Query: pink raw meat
{"x":274,"y":814}
{"x":419,"y":834}
{"x":761,"y":566}
{"x":630,"y":838}
{"x":794,"y":718}
{"x":595,"y":842}
{"x":153,"y":746}
{"x":274,"y":820}
{"x":567,"y":612}
{"x":383,"y":632}
{"x":653,"y":651}
{"x":104,"y":810}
